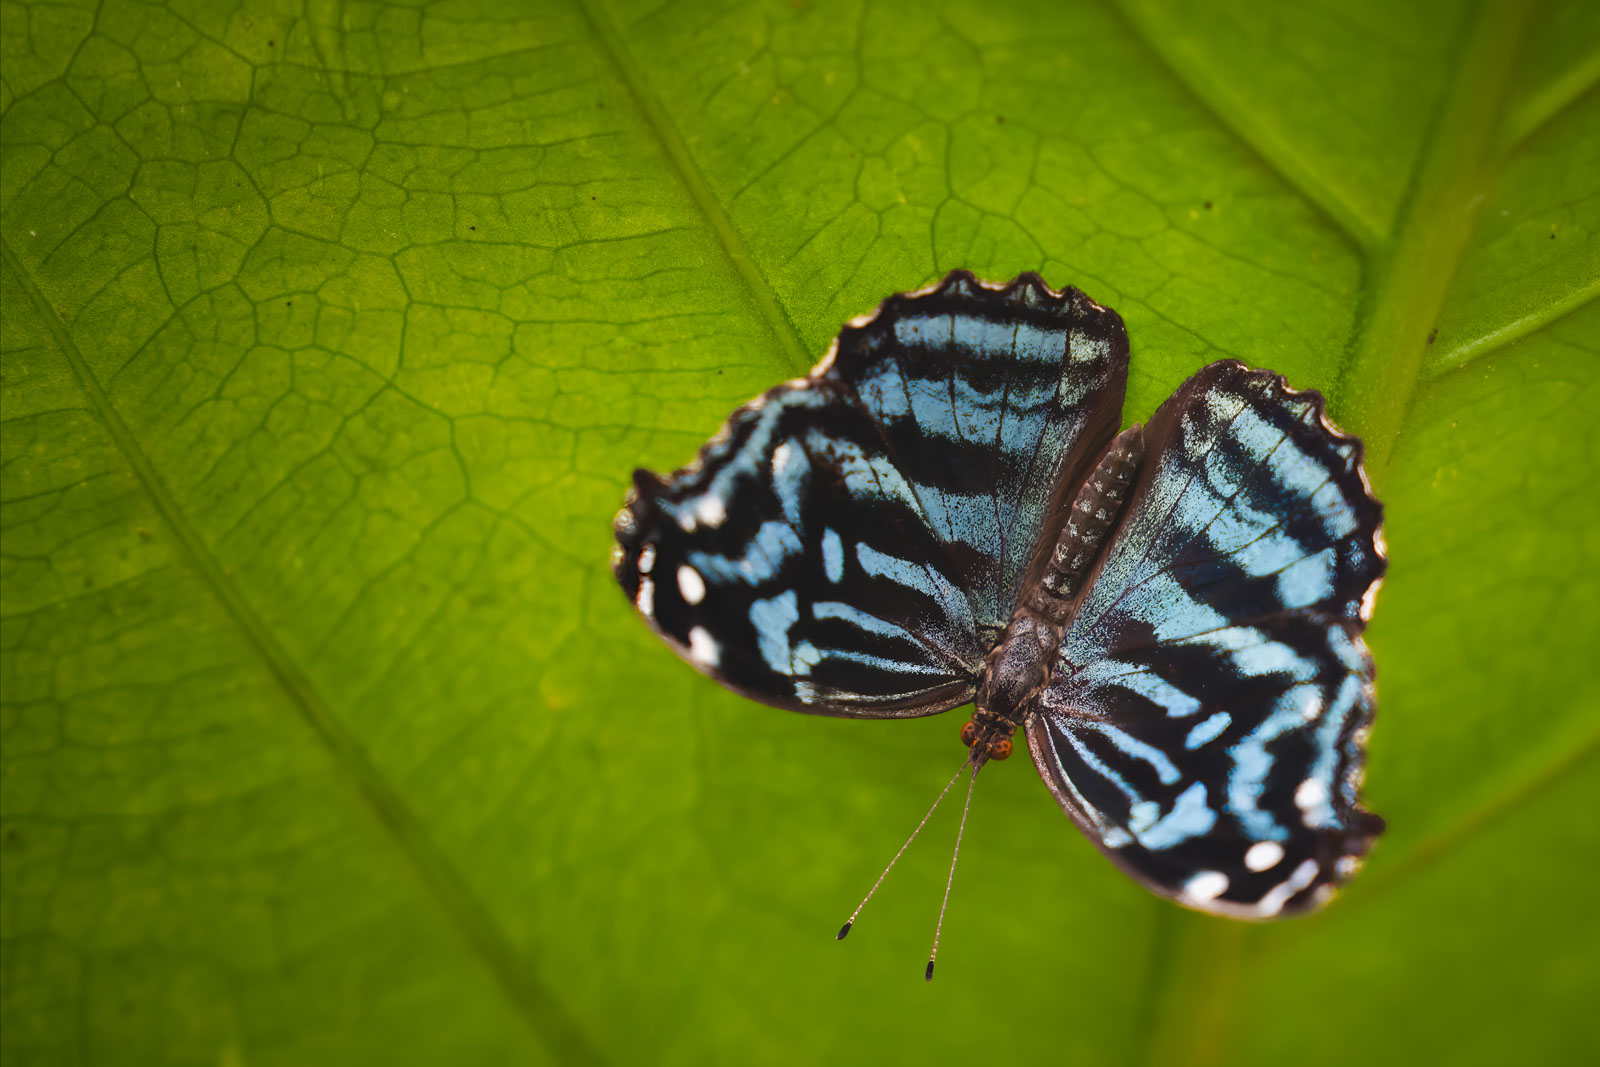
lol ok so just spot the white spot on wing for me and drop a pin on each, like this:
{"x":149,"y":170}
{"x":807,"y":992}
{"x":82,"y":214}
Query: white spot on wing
{"x":783,"y":458}
{"x":691,"y":585}
{"x":1206,"y":886}
{"x":1263,"y":856}
{"x":646,"y":600}
{"x":703,"y":648}
{"x":1370,"y":598}
{"x":647,"y":558}
{"x":1311,"y":797}
{"x":710,"y":510}
{"x":789,"y":471}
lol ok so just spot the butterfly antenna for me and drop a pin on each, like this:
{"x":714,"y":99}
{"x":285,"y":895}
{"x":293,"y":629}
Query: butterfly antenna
{"x":845,"y":929}
{"x":928,"y":975}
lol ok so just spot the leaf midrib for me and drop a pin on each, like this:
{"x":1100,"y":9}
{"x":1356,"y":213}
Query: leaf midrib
{"x":1491,"y":41}
{"x":1399,"y":378}
{"x":1408,"y":277}
{"x":513,"y":970}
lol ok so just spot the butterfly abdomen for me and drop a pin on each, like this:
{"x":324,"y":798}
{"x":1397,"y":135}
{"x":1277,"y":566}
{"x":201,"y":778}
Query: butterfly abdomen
{"x":1093,"y":516}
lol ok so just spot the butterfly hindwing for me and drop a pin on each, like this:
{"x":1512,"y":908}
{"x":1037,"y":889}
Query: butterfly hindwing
{"x":849,"y":543}
{"x":1206,"y":719}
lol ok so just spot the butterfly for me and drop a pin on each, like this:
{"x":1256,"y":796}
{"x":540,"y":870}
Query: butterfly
{"x":944,"y":512}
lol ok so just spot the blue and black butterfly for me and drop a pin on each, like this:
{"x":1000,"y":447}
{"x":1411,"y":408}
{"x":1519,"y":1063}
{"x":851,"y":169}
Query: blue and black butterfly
{"x":943,"y":511}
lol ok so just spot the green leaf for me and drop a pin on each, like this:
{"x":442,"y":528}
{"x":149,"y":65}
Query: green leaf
{"x":331,"y":333}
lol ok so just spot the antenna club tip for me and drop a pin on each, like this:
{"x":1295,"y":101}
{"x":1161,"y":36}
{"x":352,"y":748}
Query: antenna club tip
{"x":927,"y":976}
{"x":845,"y":929}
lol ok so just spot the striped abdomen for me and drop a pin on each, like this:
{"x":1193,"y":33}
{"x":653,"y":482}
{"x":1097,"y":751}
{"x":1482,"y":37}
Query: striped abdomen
{"x":1094,"y":513}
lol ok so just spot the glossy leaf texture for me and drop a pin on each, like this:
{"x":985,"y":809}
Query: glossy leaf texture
{"x":332,"y":332}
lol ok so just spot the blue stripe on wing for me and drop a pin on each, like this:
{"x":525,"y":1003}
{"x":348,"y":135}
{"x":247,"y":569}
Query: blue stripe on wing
{"x":1222,"y":631}
{"x":764,"y":565}
{"x":993,"y":403}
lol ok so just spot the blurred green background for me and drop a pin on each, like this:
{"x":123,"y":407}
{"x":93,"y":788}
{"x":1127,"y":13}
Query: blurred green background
{"x":332,"y":331}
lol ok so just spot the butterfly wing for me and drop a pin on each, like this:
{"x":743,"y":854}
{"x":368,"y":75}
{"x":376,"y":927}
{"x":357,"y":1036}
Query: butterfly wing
{"x":793,"y":564}
{"x":1207,"y":719}
{"x":993,"y":403}
{"x":848,"y":543}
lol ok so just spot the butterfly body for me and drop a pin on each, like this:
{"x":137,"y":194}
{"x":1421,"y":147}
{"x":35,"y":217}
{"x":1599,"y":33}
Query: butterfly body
{"x":1021,"y":664}
{"x":944,"y":512}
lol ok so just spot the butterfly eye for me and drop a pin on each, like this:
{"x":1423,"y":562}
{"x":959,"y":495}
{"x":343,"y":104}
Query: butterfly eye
{"x":1000,"y":749}
{"x":969,"y":734}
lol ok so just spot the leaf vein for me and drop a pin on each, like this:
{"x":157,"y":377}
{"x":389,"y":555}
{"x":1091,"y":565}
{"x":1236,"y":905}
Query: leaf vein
{"x":526,"y":992}
{"x":677,"y":153}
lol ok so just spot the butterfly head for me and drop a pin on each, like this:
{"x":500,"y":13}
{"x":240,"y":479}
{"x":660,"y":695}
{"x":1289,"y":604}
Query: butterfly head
{"x":988,"y":740}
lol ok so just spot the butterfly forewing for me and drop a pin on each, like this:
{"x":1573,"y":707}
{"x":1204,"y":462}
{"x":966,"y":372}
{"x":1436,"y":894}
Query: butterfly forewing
{"x":850,"y":542}
{"x":1206,"y":719}
{"x":992,"y":403}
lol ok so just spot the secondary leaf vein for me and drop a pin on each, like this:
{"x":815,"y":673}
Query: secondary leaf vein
{"x":527,"y":993}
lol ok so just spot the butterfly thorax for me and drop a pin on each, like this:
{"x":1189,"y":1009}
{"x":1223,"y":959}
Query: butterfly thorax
{"x":1023,"y":661}
{"x":1014,"y":673}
